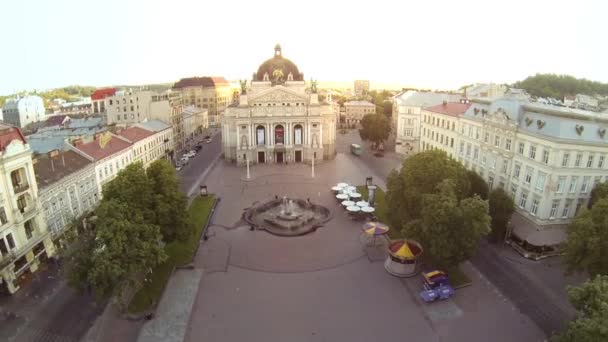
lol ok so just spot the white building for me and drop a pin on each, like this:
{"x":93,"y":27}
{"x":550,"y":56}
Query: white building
{"x":21,"y":111}
{"x":547,"y":157}
{"x":111,"y":153}
{"x":68,"y":187}
{"x":165,"y":145}
{"x":128,"y":107}
{"x":279,"y":120}
{"x":148,"y":145}
{"x":407,"y":107}
{"x":24,"y":238}
{"x":356,"y":110}
{"x":486,"y":90}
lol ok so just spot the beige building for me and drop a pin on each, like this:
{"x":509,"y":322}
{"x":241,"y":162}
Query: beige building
{"x":279,"y":120}
{"x":361,"y":87}
{"x":167,"y":107}
{"x":164,"y":145}
{"x":24,"y":238}
{"x":128,"y":107}
{"x":356,"y":110}
{"x":548,"y":158}
{"x":211,"y":93}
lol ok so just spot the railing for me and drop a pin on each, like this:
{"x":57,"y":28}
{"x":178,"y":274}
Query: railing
{"x":19,"y":188}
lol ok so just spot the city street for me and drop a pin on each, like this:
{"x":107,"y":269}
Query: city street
{"x":191,"y":174}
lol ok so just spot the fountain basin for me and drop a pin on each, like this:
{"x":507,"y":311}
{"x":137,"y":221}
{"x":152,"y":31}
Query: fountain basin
{"x":287,"y":217}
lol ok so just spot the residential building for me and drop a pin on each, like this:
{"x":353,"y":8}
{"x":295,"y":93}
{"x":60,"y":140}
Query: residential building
{"x":167,"y":107}
{"x":98,"y":99}
{"x":165,"y":147}
{"x":279,"y":119}
{"x":62,"y":129}
{"x":189,"y":120}
{"x":548,"y":158}
{"x":356,"y":110}
{"x":148,"y":145}
{"x":361,"y":87}
{"x":127,"y":107}
{"x":84,"y":106}
{"x":485,"y":90}
{"x":407,"y":107}
{"x":211,"y":93}
{"x":67,"y":188}
{"x":25,"y":241}
{"x":110,"y":153}
{"x":23,"y":110}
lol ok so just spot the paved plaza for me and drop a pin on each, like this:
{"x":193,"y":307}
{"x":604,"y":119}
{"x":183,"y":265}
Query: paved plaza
{"x":319,"y":287}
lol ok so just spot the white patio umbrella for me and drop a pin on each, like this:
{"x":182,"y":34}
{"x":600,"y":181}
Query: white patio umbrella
{"x":353,"y":208}
{"x":362,"y":204}
{"x":336,"y":188}
{"x":355,"y":195}
{"x":368,"y":209}
{"x":342,"y":196}
{"x":348,"y":203}
{"x":342,"y":185}
{"x":352,"y":188}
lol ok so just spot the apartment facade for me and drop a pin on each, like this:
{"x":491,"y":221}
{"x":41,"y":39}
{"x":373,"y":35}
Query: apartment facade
{"x":547,"y":158}
{"x":211,"y":93}
{"x":361,"y":87}
{"x":25,"y":241}
{"x":23,"y":110}
{"x":407,"y":108}
{"x":164,"y":144}
{"x":127,"y":107}
{"x":68,"y":188}
{"x":98,"y":99}
{"x":356,"y":110}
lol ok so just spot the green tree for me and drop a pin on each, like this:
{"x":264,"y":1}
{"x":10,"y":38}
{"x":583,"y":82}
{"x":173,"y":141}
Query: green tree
{"x":591,"y":302}
{"x":501,"y":209}
{"x":478,"y":185}
{"x":419,"y":175}
{"x":449,"y":228}
{"x":586,"y":248}
{"x":375,"y":128}
{"x":558,"y":86}
{"x":169,"y":203}
{"x":599,"y":191}
{"x":133,"y":186}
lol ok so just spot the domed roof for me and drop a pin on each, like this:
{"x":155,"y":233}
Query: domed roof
{"x":277,"y":69}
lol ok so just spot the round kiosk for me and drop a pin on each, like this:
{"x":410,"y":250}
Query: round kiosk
{"x":402,"y":260}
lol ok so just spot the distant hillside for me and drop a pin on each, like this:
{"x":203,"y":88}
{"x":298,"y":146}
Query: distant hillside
{"x":558,"y":86}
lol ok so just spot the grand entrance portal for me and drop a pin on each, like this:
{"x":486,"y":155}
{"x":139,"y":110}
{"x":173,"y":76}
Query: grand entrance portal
{"x":261,"y":157}
{"x":279,"y":157}
{"x":298,"y":156}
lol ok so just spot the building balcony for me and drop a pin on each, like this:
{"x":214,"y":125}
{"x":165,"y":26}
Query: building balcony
{"x":17,"y":253}
{"x":20,"y":188}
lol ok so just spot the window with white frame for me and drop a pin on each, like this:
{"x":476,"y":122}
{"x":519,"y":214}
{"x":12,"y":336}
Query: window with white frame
{"x":521,"y":147}
{"x":565,"y":159}
{"x":545,"y":156}
{"x":554,"y":206}
{"x":508,"y":144}
{"x":561,"y":183}
{"x":516,"y":170}
{"x":497,"y":141}
{"x":590,"y":161}
{"x":540,"y":181}
{"x":532,"y":153}
{"x":585,"y":185}
{"x":534,"y":208}
{"x":522,"y":200}
{"x":573,"y":182}
{"x":577,"y":161}
{"x":408,"y":132}
{"x":476,"y":153}
{"x":494,"y":160}
{"x":486,"y":138}
{"x":513,"y":192}
{"x":529,"y":172}
{"x":566,"y":209}
{"x":600,"y":161}
{"x":505,"y":166}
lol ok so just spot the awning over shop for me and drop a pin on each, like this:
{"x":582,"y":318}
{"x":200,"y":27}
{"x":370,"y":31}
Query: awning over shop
{"x":536,"y":235}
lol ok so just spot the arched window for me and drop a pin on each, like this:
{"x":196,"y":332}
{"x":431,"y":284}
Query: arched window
{"x":297,"y":135}
{"x":279,"y":134}
{"x":260,"y":135}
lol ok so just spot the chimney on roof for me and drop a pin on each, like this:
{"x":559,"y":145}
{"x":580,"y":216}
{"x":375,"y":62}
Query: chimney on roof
{"x":96,"y":136}
{"x":77,"y":142}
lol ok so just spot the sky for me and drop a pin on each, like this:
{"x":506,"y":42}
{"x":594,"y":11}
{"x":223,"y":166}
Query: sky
{"x":426,"y":44}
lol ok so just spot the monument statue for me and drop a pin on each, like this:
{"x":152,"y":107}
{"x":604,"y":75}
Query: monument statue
{"x":243,"y":87}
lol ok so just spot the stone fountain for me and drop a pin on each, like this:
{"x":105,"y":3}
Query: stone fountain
{"x":287,"y":217}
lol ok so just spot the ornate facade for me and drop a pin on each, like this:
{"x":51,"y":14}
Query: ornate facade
{"x":278,"y":119}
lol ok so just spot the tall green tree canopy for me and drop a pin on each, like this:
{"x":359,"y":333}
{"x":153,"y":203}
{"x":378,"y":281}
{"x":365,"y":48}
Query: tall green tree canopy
{"x":558,"y":86}
{"x":599,"y":191}
{"x":375,"y":128}
{"x":478,"y":185}
{"x":449,"y":228}
{"x":501,"y":210}
{"x":591,"y":302}
{"x":586,"y":248}
{"x":421,"y":174}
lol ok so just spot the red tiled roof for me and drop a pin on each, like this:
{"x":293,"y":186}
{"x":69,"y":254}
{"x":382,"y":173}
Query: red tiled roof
{"x":95,"y":149}
{"x":101,"y":94}
{"x":9,"y":133}
{"x":450,"y":108}
{"x":200,"y":82}
{"x":134,"y":133}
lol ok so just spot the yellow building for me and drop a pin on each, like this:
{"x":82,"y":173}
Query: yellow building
{"x":211,"y":93}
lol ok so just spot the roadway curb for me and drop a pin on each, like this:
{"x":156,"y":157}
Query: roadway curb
{"x":200,"y":179}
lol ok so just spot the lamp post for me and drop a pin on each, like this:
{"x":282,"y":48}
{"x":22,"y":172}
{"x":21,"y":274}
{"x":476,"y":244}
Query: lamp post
{"x":247,"y":160}
{"x":313,"y":166}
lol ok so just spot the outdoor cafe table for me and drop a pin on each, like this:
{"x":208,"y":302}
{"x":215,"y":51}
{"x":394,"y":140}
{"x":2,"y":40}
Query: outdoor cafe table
{"x":367,"y":209}
{"x":348,"y":203}
{"x":353,"y":209}
{"x":335,"y":189}
{"x":342,"y":185}
{"x":355,"y":195}
{"x":362,"y":204}
{"x":351,"y":189}
{"x":342,"y":197}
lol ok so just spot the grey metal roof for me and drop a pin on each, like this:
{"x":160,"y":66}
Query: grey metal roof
{"x":154,"y":125}
{"x":424,"y":99}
